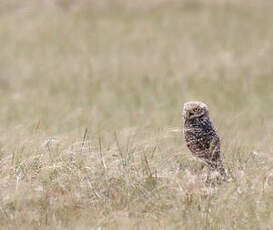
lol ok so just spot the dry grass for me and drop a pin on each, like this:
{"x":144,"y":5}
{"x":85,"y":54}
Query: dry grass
{"x":90,"y":101}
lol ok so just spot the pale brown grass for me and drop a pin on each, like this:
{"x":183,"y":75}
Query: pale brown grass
{"x":90,"y":125}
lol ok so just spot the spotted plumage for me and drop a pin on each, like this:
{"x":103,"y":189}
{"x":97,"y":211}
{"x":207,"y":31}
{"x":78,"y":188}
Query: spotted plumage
{"x":200,"y":135}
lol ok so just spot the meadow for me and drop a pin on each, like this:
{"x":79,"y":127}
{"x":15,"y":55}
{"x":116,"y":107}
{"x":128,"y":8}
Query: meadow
{"x":91,"y":94}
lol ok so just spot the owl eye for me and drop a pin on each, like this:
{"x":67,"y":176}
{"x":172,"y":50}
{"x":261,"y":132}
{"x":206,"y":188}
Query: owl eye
{"x":195,"y":109}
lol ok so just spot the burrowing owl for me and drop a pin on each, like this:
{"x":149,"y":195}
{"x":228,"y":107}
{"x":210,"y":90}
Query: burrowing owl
{"x":201,"y":137}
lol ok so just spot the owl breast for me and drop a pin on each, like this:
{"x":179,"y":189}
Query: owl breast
{"x":199,"y":133}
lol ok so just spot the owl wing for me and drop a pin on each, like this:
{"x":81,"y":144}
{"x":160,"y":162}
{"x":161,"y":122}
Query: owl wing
{"x":215,"y":157}
{"x":214,"y":149}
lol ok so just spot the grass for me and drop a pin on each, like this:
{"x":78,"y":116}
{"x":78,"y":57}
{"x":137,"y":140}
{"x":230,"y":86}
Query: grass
{"x":90,"y":113}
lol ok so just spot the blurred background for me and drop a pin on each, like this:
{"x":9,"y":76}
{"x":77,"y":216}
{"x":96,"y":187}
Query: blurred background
{"x":108,"y":66}
{"x":114,"y":64}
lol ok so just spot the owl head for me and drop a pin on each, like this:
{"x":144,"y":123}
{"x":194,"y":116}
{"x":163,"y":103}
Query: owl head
{"x":194,"y":109}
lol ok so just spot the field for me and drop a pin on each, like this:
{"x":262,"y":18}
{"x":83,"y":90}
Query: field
{"x":91,"y":94}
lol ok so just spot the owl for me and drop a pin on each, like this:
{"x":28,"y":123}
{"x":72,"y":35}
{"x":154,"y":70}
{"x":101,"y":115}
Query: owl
{"x":201,"y":137}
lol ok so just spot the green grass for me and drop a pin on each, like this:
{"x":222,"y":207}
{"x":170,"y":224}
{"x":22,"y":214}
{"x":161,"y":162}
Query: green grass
{"x":90,"y":113}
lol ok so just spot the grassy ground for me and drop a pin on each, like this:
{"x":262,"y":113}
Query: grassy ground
{"x":90,"y":113}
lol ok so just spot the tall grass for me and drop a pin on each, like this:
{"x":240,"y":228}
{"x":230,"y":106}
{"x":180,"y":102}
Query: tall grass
{"x":90,"y":113}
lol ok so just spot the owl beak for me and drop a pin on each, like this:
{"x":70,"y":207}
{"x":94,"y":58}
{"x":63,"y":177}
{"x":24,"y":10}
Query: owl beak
{"x":188,"y":114}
